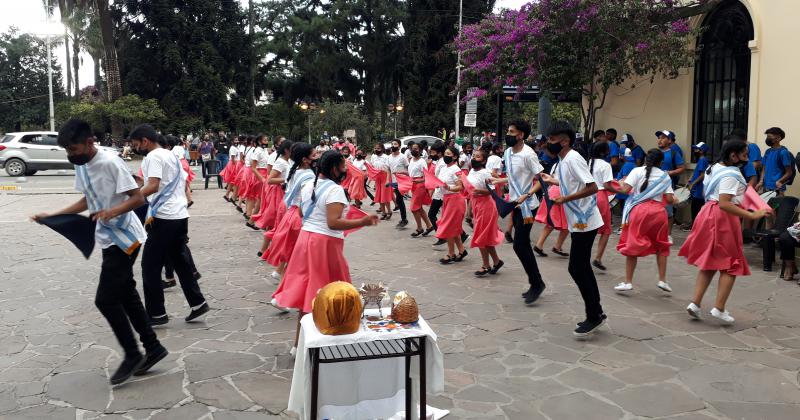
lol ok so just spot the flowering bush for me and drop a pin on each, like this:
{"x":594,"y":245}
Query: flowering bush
{"x":577,"y":46}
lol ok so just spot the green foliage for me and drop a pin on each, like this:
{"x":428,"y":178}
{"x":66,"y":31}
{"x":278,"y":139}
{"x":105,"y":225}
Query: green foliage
{"x":24,"y":82}
{"x":339,"y":117}
{"x":128,"y":111}
{"x":562,"y":111}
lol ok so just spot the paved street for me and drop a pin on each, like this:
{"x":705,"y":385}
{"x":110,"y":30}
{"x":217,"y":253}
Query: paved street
{"x":502,"y":359}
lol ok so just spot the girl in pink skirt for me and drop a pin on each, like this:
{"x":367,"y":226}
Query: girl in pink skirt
{"x":419,"y":194}
{"x":645,"y":228}
{"x":275,"y":208}
{"x":245,"y":178}
{"x":318,"y":256}
{"x":449,"y":226}
{"x":715,"y":243}
{"x":286,"y":231}
{"x":384,"y":194}
{"x":260,"y":169}
{"x":557,"y":219}
{"x":603,"y":177}
{"x":485,"y":235}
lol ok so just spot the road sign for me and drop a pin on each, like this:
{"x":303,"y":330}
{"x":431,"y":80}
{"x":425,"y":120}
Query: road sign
{"x":470,"y":120}
{"x":472,"y":104}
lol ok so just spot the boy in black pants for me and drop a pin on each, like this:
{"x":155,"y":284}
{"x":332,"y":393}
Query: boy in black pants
{"x":110,"y":195}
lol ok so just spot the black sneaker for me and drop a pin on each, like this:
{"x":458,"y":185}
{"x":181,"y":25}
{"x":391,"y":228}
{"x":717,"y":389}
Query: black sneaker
{"x":533,"y":294}
{"x":402,"y":223}
{"x":588,"y":326}
{"x":196,"y":313}
{"x":150,"y":359}
{"x":126,"y":369}
{"x":440,"y":242}
{"x":509,"y":238}
{"x":169,"y":283}
{"x":197,"y":275}
{"x":154,"y":321}
{"x":464,"y":237}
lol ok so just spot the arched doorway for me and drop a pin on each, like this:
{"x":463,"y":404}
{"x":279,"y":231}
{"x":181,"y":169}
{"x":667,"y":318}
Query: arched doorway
{"x":722,"y":74}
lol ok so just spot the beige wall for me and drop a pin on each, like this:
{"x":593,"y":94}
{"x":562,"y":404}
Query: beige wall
{"x":774,"y":87}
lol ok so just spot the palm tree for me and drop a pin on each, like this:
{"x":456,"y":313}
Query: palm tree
{"x":49,"y":5}
{"x":110,"y":61}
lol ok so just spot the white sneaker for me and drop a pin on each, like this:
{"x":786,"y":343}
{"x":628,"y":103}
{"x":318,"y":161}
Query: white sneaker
{"x":275,"y":305}
{"x":624,"y":287}
{"x":293,"y":351}
{"x":664,"y":286}
{"x":694,"y":310}
{"x":724,"y":317}
{"x":670,"y":239}
{"x":276,"y":277}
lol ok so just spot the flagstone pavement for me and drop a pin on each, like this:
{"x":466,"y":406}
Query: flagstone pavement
{"x":502,"y":359}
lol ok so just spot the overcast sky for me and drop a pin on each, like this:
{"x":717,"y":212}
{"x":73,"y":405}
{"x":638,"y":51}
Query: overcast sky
{"x":29,"y":16}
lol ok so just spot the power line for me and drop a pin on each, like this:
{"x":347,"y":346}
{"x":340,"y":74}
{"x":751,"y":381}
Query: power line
{"x":24,"y":99}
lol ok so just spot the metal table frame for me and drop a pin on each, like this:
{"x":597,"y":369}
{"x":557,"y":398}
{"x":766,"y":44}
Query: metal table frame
{"x":378,"y":349}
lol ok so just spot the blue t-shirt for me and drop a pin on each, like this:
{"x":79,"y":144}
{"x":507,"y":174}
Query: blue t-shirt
{"x":613,"y":151}
{"x":545,"y":158}
{"x":702,"y":165}
{"x":753,"y":152}
{"x":748,"y":170}
{"x":667,"y":164}
{"x":775,"y":163}
{"x":637,"y":153}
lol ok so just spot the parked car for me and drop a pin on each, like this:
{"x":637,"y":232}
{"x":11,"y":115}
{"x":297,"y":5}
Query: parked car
{"x":26,"y":153}
{"x":416,"y":139}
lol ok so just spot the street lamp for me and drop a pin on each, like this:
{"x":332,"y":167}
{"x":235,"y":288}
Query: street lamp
{"x":307,"y":108}
{"x":49,"y":29}
{"x":395,"y":109}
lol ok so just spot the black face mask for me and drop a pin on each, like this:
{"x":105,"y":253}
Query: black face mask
{"x":359,"y":157}
{"x":79,"y":159}
{"x":141,"y":152}
{"x":434,"y":157}
{"x":264,"y":146}
{"x":742,"y":163}
{"x":769,"y":142}
{"x":342,"y":175}
{"x":448,"y":159}
{"x":511,"y":141}
{"x":476,"y":164}
{"x":378,"y":152}
{"x":415,"y":153}
{"x":554,"y":148}
{"x":395,"y":149}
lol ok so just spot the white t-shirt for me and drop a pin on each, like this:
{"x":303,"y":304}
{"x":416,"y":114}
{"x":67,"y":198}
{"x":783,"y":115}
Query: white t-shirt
{"x":179,"y":151}
{"x":494,"y":162}
{"x":574,"y":175}
{"x":234,"y":152}
{"x":297,"y":175}
{"x":110,"y":179}
{"x":417,"y":167}
{"x":250,"y":155}
{"x":397,"y":163}
{"x":161,"y":163}
{"x":636,"y":178}
{"x":261,"y":156}
{"x":525,"y":165}
{"x":272,"y":158}
{"x":360,"y":164}
{"x":317,"y":220}
{"x":478,"y":178}
{"x":465,"y":161}
{"x":601,"y":173}
{"x":449,"y":175}
{"x":281,"y":165}
{"x":379,"y":162}
{"x":727,"y":185}
{"x":438,"y":193}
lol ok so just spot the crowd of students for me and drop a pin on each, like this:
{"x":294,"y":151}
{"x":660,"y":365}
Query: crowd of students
{"x":306,"y":200}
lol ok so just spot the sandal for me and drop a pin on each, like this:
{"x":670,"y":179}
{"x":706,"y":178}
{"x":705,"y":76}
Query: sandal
{"x":417,"y":233}
{"x":496,"y":267}
{"x":461,"y":256}
{"x":560,"y":252}
{"x":239,"y":209}
{"x":482,"y":272}
{"x":539,"y":251}
{"x":428,"y":231}
{"x":251,"y":226}
{"x":597,"y":264}
{"x":447,"y":260}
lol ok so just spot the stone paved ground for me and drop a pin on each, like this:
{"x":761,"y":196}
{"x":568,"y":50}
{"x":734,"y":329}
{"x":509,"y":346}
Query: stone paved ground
{"x":502,"y":359}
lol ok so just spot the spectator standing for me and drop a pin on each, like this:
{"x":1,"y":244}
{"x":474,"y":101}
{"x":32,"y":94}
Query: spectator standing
{"x":221,"y":148}
{"x":778,"y":163}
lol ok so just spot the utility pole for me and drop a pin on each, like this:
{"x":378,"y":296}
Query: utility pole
{"x":458,"y":70}
{"x":50,"y":77}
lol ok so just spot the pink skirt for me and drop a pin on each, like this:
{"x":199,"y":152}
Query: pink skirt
{"x":557,"y":215}
{"x":715,"y":242}
{"x":484,"y":221}
{"x":272,"y":207}
{"x":188,"y":170}
{"x":316,"y":260}
{"x":284,"y":238}
{"x":605,"y":211}
{"x":647,"y":231}
{"x":355,"y":186}
{"x":419,"y":196}
{"x":254,"y":185}
{"x":383,"y":194}
{"x":450,"y":224}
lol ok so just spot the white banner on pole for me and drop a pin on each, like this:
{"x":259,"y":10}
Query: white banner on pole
{"x":470,"y":120}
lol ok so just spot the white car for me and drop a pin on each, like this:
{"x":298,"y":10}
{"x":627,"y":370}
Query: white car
{"x":26,"y":153}
{"x":416,"y":139}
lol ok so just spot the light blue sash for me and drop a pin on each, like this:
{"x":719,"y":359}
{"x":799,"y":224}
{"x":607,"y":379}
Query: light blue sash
{"x":162,"y":196}
{"x":653,"y":190}
{"x":719,"y":175}
{"x":295,"y":185}
{"x":120,"y":230}
{"x":526,"y":208}
{"x":573,"y":207}
{"x":321,"y":188}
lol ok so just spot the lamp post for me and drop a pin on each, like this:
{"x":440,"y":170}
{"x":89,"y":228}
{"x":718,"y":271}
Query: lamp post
{"x":50,"y":28}
{"x":458,"y":72}
{"x":307,"y":108}
{"x":395,"y":108}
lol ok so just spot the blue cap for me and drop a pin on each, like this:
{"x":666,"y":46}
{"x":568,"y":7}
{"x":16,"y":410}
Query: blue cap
{"x":667,"y":133}
{"x":700,"y":146}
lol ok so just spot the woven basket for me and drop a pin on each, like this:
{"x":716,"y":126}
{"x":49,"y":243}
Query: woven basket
{"x":406,"y":311}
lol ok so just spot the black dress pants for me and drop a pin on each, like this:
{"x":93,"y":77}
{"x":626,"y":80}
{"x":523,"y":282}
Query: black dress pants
{"x":580,"y":268}
{"x":118,"y":301}
{"x":398,"y":198}
{"x":366,"y":188}
{"x":524,"y":250}
{"x":186,"y":253}
{"x":165,"y":241}
{"x":433,"y":211}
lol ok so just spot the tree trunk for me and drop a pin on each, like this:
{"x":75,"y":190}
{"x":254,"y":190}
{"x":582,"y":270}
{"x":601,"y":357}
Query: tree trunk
{"x":98,"y":82}
{"x":545,"y":116}
{"x":76,"y":65}
{"x":113,"y":78}
{"x":253,"y":67}
{"x":68,"y":68}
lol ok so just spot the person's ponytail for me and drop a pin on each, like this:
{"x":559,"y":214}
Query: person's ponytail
{"x":654,"y":158}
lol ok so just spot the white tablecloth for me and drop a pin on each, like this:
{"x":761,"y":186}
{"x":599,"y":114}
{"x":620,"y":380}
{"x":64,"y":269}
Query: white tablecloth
{"x":365,"y":389}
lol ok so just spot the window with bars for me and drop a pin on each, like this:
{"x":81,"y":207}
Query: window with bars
{"x":722,"y":75}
